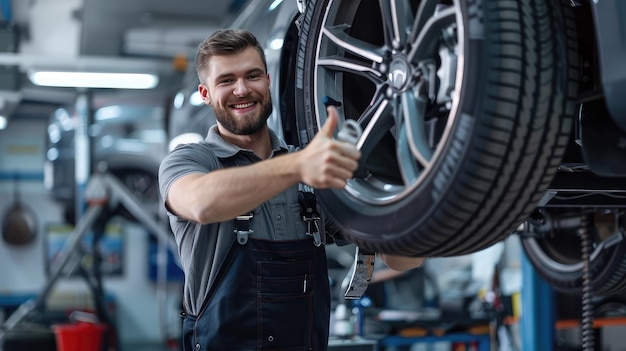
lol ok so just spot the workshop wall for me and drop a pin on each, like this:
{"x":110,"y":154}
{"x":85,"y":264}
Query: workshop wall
{"x":21,"y":155}
{"x":22,"y":149}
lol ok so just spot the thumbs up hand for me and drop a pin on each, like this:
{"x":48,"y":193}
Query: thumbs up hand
{"x":326,"y":162}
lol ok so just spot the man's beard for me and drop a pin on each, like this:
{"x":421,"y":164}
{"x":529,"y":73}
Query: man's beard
{"x":246,"y":125}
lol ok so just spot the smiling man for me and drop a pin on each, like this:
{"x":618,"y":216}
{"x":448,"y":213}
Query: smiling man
{"x":254,"y":278}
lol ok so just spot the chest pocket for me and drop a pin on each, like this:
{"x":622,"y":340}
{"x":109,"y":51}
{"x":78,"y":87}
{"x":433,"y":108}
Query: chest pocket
{"x":299,"y":224}
{"x":285,"y":218}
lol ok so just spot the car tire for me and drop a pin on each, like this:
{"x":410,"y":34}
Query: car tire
{"x":557,"y":257}
{"x":461,"y":136}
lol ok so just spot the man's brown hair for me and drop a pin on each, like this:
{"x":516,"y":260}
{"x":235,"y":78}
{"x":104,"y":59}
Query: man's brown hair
{"x":225,"y":42}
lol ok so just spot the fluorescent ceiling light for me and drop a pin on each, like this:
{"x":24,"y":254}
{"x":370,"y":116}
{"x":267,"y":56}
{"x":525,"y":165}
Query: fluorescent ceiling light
{"x":3,"y":122}
{"x":93,"y":79}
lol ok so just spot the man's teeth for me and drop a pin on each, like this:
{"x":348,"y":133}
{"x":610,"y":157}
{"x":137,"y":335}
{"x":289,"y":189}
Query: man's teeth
{"x":246,"y":105}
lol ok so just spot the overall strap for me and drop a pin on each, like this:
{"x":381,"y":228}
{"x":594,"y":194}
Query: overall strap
{"x":310,"y":216}
{"x":309,"y":213}
{"x":242,"y":223}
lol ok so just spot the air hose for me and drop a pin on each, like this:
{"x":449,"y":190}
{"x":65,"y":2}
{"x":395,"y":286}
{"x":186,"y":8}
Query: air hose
{"x":586,"y":233}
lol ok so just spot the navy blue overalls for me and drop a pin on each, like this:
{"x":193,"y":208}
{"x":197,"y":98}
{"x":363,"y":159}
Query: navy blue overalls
{"x":269,"y":295}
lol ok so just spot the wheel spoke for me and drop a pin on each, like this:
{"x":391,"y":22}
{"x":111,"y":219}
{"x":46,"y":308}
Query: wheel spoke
{"x":409,"y":169}
{"x":376,"y":123}
{"x":425,"y":11}
{"x":413,"y":111}
{"x":373,"y":111}
{"x":425,"y":44}
{"x":338,"y":36}
{"x":343,"y":64}
{"x":363,"y":64}
{"x":397,"y":18}
{"x":380,"y":148}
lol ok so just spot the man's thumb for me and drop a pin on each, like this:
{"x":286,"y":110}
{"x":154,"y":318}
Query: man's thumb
{"x":331,"y":122}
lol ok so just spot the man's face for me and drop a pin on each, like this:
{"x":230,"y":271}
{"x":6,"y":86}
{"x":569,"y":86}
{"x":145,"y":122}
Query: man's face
{"x":237,"y":87}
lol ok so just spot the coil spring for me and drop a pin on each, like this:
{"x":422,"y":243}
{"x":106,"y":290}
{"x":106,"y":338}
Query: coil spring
{"x":586,"y":233}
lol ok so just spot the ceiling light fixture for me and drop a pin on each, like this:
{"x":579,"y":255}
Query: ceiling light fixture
{"x":94,"y":80}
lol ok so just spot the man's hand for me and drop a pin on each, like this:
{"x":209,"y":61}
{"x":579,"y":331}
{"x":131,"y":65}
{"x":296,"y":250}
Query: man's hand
{"x":328,"y":163}
{"x":401,"y":263}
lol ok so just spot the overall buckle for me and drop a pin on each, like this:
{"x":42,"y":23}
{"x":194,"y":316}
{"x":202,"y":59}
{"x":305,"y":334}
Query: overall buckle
{"x":310,"y":216}
{"x":242,"y":228}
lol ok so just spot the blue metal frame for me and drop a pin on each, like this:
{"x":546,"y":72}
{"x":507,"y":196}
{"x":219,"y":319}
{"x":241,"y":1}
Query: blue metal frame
{"x":537,"y":323}
{"x":21,"y":175}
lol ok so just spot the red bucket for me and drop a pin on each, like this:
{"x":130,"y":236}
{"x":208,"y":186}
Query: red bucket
{"x":81,"y":336}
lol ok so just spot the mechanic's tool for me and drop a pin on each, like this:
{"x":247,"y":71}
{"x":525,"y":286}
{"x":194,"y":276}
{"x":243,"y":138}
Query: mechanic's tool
{"x":350,"y":132}
{"x":362,"y":271}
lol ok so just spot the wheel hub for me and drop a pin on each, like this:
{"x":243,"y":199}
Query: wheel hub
{"x":399,"y":74}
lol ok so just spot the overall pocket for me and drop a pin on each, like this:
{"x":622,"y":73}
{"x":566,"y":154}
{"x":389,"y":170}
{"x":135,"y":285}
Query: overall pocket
{"x":285,"y":302}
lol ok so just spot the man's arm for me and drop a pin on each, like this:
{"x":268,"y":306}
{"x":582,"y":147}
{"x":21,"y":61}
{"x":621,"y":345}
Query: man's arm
{"x":226,"y":193}
{"x":401,"y":263}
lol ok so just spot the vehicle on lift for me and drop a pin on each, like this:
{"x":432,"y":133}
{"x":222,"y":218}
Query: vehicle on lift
{"x":481,"y":119}
{"x":128,"y":139}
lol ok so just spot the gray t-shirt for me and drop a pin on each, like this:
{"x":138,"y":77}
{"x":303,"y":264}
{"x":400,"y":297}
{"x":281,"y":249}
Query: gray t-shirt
{"x":202,"y":248}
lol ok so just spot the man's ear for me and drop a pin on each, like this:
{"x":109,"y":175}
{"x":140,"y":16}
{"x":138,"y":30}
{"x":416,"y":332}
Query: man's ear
{"x":204,"y":93}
